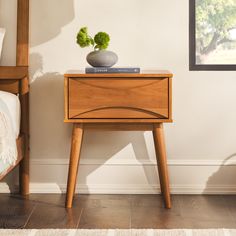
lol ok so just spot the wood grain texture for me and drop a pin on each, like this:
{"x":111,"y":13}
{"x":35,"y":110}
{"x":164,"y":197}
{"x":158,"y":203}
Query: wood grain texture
{"x":10,"y":86}
{"x":118,"y":127}
{"x":158,"y":217}
{"x":143,"y":74}
{"x":54,"y":217}
{"x":13,"y":72}
{"x":22,"y":59}
{"x":24,"y":165}
{"x":105,"y":218}
{"x":22,"y":53}
{"x":66,"y":96}
{"x":99,"y":211}
{"x":116,"y":98}
{"x":159,"y":142}
{"x":15,"y":211}
{"x":117,"y":121}
{"x":170,"y":97}
{"x":76,"y":144}
{"x":206,"y":211}
{"x":118,"y":102}
{"x":9,"y":76}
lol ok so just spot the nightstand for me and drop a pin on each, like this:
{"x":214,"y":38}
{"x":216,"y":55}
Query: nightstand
{"x":118,"y":102}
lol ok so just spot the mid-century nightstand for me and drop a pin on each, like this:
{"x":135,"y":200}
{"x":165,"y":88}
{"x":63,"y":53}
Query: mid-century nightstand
{"x":118,"y":102}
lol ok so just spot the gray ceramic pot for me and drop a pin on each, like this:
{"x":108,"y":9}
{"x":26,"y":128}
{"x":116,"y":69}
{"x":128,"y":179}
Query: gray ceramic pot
{"x":102,"y":58}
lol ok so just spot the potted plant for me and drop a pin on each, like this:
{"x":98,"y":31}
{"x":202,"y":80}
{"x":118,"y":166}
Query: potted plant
{"x":99,"y":57}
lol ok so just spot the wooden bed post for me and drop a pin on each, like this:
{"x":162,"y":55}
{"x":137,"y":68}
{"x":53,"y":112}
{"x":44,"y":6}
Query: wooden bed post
{"x":22,"y":59}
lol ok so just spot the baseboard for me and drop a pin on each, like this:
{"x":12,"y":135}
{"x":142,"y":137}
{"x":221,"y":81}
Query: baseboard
{"x":131,"y":176}
{"x":135,"y":162}
{"x":53,"y":188}
{"x":143,"y":189}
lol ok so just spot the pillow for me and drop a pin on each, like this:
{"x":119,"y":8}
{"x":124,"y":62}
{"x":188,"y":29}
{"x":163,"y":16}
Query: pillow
{"x":2,"y":33}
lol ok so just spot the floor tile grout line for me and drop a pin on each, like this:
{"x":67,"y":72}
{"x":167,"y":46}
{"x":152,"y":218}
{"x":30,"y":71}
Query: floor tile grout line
{"x":213,"y":204}
{"x":82,"y":210}
{"x":27,"y":221}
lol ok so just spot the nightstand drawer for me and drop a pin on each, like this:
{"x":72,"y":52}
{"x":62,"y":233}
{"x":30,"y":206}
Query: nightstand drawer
{"x":118,"y":98}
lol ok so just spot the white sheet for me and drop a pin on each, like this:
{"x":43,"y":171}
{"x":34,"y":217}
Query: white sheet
{"x":13,"y":104}
{"x":10,"y":104}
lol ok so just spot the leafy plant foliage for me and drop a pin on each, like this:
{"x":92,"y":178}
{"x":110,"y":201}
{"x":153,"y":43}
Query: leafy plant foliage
{"x":83,"y":39}
{"x":101,"y":39}
{"x":215,"y":20}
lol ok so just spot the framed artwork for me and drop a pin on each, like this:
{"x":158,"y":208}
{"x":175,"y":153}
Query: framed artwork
{"x":212,"y":34}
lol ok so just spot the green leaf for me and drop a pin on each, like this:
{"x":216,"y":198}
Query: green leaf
{"x":102,"y":40}
{"x":83,"y":39}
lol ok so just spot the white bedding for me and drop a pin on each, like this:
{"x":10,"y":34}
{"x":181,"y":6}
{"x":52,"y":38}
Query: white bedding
{"x":10,"y":109}
{"x":13,"y":104}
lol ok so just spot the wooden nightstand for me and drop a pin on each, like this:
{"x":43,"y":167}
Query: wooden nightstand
{"x":118,"y":102}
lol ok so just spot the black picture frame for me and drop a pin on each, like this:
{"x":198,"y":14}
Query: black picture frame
{"x":192,"y":46}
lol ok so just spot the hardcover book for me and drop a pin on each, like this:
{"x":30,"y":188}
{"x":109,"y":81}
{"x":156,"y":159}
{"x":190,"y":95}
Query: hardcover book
{"x":112,"y":70}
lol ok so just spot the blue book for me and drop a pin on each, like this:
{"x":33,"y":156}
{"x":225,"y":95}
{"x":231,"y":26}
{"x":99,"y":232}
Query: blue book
{"x":112,"y":70}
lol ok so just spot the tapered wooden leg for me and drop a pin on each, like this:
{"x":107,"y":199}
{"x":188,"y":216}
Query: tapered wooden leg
{"x":24,"y":169}
{"x":159,"y":141}
{"x":76,"y":143}
{"x":24,"y":164}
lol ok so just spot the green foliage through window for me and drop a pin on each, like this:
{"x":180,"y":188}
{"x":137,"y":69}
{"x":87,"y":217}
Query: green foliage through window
{"x":215,"y":26}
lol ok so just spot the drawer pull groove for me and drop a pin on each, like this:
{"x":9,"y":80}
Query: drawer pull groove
{"x":154,"y":114}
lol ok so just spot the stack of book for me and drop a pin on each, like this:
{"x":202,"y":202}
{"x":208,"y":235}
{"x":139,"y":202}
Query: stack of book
{"x":112,"y":70}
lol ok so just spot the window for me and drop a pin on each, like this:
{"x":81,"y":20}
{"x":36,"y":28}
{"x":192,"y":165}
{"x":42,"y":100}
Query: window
{"x":212,"y":34}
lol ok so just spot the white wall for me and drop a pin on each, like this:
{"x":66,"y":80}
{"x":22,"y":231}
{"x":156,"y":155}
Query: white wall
{"x":149,"y":34}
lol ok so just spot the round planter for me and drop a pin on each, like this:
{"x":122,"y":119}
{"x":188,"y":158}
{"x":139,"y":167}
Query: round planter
{"x":102,"y":58}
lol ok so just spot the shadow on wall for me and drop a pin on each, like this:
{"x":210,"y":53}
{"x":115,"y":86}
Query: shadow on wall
{"x":49,"y":22}
{"x":224,"y":179}
{"x":47,"y":114}
{"x":47,"y":19}
{"x":119,"y":143}
{"x":47,"y":110}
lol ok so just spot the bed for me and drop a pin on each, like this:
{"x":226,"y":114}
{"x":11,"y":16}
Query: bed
{"x":14,"y":97}
{"x":9,"y":130}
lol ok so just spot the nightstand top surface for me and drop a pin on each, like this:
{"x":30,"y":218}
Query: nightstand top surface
{"x":143,"y":73}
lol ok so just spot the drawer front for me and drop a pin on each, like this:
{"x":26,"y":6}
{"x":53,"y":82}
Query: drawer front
{"x":118,"y":98}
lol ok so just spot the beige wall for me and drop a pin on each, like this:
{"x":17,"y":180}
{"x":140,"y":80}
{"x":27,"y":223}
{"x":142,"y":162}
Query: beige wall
{"x":149,"y":34}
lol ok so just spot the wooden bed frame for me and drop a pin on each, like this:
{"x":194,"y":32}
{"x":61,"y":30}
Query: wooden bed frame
{"x":15,"y":79}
